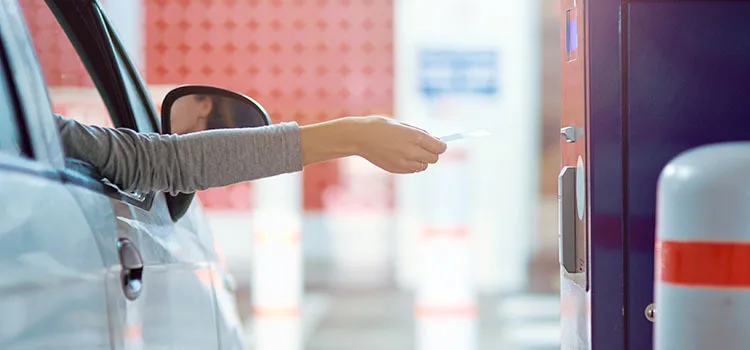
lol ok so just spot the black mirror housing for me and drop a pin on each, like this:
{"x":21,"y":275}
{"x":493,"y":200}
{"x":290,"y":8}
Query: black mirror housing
{"x":193,"y":108}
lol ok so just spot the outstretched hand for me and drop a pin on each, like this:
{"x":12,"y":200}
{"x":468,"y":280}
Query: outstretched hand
{"x":397,"y":147}
{"x":392,"y":146}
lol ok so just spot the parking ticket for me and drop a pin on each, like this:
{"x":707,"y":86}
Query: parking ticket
{"x":464,"y":135}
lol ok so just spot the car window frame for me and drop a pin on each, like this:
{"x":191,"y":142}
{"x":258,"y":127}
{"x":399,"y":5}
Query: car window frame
{"x":132,"y":75}
{"x":113,"y":93}
{"x":29,"y":88}
{"x":24,"y":80}
{"x":8,"y":89}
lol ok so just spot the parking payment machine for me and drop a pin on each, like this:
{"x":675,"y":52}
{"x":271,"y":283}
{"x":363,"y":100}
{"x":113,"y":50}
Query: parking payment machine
{"x":642,"y":81}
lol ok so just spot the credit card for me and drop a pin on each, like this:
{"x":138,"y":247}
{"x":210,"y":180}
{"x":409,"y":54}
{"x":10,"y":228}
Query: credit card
{"x":464,"y":135}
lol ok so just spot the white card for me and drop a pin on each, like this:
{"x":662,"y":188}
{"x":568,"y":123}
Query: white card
{"x":464,"y":135}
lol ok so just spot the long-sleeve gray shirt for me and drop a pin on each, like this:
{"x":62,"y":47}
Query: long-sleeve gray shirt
{"x":183,"y":163}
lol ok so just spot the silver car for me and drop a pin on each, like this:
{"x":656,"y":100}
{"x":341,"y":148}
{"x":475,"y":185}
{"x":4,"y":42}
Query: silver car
{"x":83,"y":264}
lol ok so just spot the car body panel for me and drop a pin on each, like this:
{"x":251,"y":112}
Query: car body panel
{"x":177,"y":304}
{"x":76,"y":300}
{"x":52,"y":293}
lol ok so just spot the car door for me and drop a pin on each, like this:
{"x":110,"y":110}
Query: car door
{"x":171,"y":302}
{"x":176,"y":306}
{"x":52,"y":293}
{"x":192,"y":240}
{"x":51,"y":290}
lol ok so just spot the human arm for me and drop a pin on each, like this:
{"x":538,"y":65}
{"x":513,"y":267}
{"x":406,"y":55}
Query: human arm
{"x":183,"y":163}
{"x":215,"y":158}
{"x":390,"y":145}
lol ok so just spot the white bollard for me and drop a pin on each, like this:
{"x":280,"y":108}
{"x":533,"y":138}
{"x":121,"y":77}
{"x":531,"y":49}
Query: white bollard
{"x":702,"y":298}
{"x":445,"y":308}
{"x":277,"y":279}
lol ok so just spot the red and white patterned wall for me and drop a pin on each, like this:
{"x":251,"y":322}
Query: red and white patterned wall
{"x":60,"y":64}
{"x":304,"y":60}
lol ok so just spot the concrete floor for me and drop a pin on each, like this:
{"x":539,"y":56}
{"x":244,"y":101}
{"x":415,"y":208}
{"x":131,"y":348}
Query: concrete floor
{"x":380,"y":318}
{"x":383,"y":320}
{"x":338,"y":317}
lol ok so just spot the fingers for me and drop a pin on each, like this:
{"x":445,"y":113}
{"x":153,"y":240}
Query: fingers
{"x":423,"y":156}
{"x":425,"y":139}
{"x":432,"y":144}
{"x":415,"y":167}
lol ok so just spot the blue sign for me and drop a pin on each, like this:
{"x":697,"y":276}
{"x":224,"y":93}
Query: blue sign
{"x":447,"y":72}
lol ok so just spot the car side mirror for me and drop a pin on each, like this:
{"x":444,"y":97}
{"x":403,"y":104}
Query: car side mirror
{"x":192,"y":108}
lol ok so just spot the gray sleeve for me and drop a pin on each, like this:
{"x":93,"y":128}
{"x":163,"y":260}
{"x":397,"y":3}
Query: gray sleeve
{"x":183,"y":163}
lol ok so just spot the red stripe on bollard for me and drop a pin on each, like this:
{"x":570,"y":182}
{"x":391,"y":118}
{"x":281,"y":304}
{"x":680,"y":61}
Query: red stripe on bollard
{"x":708,"y":264}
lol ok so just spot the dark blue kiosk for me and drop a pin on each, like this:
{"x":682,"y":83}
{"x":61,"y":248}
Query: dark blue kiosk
{"x":642,"y":82}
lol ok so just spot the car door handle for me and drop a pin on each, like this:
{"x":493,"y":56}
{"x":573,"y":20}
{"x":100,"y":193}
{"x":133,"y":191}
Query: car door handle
{"x":131,"y":273}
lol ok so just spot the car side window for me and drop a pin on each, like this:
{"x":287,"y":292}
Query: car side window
{"x":71,"y":89}
{"x":10,"y":132}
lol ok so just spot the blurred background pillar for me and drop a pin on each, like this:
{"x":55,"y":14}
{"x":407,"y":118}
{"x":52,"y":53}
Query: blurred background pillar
{"x":128,"y":19}
{"x":468,"y":65}
{"x":505,"y":166}
{"x":277,"y":274}
{"x":445,"y":306}
{"x":358,"y":217}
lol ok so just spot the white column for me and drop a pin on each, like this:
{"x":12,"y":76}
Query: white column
{"x":277,"y":275}
{"x":504,"y":167}
{"x":357,"y":217}
{"x":407,"y":230}
{"x":445,"y":307}
{"x":128,"y":19}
